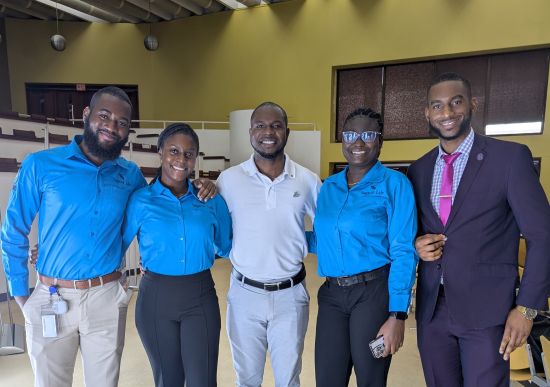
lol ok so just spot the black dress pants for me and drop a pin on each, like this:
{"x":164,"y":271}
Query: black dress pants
{"x":349,"y":318}
{"x":178,"y":321}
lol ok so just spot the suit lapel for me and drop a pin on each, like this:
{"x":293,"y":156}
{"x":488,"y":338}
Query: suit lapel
{"x":475,"y":161}
{"x":425,"y":189}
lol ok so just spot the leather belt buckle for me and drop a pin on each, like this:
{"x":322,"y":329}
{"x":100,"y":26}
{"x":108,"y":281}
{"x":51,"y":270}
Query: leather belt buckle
{"x":272,"y":286}
{"x":341,"y":281}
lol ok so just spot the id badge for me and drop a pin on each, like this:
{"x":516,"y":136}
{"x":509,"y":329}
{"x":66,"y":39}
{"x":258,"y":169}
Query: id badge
{"x":50,"y":311}
{"x":49,"y":320}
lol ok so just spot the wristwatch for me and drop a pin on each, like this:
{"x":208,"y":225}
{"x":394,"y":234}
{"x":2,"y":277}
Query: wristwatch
{"x":399,"y":315}
{"x":528,"y":313}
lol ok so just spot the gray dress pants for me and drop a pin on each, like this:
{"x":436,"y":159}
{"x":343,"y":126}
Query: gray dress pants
{"x":260,"y":320}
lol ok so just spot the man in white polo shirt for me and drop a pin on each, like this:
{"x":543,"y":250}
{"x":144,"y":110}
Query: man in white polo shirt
{"x":268,"y":305}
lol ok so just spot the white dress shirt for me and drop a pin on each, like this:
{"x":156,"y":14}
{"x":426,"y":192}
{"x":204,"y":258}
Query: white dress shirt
{"x":269,"y":240}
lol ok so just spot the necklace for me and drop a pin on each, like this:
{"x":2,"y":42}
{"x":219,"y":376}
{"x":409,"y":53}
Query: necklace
{"x":352,"y":184}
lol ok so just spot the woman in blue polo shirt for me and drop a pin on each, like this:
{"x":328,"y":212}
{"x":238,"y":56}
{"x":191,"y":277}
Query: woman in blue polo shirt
{"x":177,"y":311}
{"x":365,"y":225}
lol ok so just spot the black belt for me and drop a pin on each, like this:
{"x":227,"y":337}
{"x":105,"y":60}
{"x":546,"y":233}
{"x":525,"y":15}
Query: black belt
{"x":272,"y":286}
{"x":359,"y":278}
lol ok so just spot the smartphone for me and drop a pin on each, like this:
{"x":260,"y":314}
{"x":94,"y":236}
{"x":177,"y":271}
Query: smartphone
{"x":377,"y":347}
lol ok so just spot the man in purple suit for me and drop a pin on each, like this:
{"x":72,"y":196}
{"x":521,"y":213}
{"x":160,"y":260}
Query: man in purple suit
{"x":475,"y":195}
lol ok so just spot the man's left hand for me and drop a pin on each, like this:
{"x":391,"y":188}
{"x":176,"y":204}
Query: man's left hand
{"x":515,"y":333}
{"x":393,"y":331}
{"x":207,"y":188}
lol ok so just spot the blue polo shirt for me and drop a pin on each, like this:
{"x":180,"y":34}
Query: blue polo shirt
{"x":177,"y":236}
{"x":368,"y":226}
{"x":81,"y":208}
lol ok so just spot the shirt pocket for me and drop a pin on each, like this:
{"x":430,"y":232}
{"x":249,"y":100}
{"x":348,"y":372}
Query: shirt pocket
{"x":373,"y":213}
{"x":115,"y":193}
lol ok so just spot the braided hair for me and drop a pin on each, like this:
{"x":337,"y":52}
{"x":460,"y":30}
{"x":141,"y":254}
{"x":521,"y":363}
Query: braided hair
{"x":170,"y":130}
{"x":369,"y":113}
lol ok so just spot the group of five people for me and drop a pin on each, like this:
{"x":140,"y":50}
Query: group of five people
{"x":473,"y":194}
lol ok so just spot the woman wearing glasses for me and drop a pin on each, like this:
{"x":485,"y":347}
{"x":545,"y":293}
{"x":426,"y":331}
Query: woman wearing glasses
{"x":364,"y":229}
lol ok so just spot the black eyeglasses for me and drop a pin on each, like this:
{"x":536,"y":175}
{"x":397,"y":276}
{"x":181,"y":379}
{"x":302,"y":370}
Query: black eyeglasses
{"x":350,"y":137}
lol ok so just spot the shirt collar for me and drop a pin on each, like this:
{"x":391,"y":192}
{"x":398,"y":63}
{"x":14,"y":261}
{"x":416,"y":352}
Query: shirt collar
{"x":251,"y":169}
{"x":73,"y":150}
{"x":464,"y":148}
{"x":374,"y":175}
{"x":159,"y":189}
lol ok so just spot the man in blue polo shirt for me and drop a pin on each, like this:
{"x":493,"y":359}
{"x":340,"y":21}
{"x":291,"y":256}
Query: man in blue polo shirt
{"x":80,"y":191}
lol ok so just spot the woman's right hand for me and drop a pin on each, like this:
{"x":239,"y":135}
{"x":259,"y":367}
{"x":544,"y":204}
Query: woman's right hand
{"x":429,"y":247}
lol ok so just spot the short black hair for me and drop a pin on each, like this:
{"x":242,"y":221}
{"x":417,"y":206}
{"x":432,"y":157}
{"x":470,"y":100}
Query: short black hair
{"x":111,"y":90}
{"x":178,"y":127}
{"x":369,"y":113}
{"x":272,"y":105}
{"x":450,"y":77}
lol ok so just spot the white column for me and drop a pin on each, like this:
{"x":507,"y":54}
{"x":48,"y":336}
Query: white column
{"x":239,"y":138}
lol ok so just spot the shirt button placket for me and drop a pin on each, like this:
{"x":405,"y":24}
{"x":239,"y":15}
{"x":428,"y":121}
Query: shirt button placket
{"x":340,"y":249}
{"x":271,"y":197}
{"x":96,"y":211}
{"x":182,"y":237}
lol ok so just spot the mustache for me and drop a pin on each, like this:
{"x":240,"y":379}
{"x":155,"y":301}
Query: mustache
{"x":95,"y":148}
{"x":110,"y":133}
{"x":464,"y":127}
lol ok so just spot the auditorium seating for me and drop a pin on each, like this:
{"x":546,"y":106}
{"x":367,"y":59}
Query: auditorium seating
{"x":8,"y":165}
{"x":27,"y":134}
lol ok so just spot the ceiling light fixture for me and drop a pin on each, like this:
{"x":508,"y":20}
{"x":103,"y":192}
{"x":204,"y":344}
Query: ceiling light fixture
{"x":57,"y":41}
{"x":151,"y":42}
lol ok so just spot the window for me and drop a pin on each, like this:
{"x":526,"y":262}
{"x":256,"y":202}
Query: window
{"x":510,"y":88}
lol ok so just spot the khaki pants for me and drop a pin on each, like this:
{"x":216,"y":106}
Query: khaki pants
{"x":95,"y":321}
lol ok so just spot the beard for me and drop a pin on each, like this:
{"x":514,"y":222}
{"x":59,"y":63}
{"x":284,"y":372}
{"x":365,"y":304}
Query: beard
{"x":273,"y":155}
{"x":464,"y":127}
{"x":99,"y":150}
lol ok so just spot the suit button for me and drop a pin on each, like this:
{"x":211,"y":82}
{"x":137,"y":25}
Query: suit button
{"x":438,"y":266}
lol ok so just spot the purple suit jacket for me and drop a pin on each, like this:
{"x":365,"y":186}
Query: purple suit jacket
{"x":499,"y":196}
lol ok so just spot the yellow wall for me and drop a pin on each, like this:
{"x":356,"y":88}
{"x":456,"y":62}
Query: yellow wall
{"x":210,"y":65}
{"x":95,"y":53}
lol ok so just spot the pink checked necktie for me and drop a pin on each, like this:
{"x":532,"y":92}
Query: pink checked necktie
{"x":446,"y":192}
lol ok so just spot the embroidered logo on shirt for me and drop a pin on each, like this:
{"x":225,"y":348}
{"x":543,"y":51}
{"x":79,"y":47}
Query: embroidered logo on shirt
{"x":296,"y":194}
{"x":119,"y":179}
{"x":371,"y":190}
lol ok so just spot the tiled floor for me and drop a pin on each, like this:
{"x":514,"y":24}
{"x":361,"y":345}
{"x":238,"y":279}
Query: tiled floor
{"x":15,"y":370}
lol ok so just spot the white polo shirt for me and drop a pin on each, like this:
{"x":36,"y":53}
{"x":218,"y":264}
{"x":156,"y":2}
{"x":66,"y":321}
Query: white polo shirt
{"x":269,"y":240}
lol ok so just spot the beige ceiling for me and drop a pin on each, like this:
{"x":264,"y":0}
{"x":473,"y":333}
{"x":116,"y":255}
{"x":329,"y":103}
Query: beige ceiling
{"x":120,"y":11}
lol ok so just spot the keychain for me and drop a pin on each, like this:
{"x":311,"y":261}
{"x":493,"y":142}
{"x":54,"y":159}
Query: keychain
{"x":59,"y":305}
{"x":50,"y":311}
